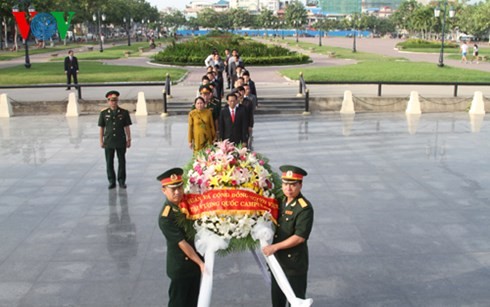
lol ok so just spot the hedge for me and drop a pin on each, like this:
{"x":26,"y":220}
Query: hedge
{"x":195,"y":50}
{"x":414,"y":43}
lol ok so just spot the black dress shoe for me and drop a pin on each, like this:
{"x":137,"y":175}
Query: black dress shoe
{"x":111,"y":186}
{"x":122,"y":185}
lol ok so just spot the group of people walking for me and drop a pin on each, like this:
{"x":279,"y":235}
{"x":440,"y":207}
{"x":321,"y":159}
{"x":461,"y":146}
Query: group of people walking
{"x":209,"y":120}
{"x":464,"y":53}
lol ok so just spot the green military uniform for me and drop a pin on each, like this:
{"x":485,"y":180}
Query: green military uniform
{"x":295,"y":218}
{"x":184,"y":274}
{"x":215,"y":106}
{"x":113,"y":122}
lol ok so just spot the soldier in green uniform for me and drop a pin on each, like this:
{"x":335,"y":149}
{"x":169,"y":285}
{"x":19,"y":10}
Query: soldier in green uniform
{"x":184,"y":265}
{"x":211,"y":102}
{"x":290,"y":240}
{"x":115,"y":137}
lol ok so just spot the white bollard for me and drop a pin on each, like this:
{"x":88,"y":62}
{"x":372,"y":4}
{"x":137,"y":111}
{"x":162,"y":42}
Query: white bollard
{"x":5,"y":106}
{"x":141,"y":105}
{"x":347,"y":104}
{"x":413,"y":106}
{"x":72,"y":107}
{"x":477,"y":105}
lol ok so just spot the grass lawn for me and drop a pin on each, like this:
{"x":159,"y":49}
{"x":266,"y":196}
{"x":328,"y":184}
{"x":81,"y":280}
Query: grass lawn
{"x":373,"y":67}
{"x":389,"y":71}
{"x":110,"y":51}
{"x":453,"y":53}
{"x":90,"y":72}
{"x":8,"y":55}
{"x":341,"y":53}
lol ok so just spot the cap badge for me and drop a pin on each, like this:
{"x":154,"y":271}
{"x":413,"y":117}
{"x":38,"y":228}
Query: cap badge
{"x":173,"y":177}
{"x":289,"y":174}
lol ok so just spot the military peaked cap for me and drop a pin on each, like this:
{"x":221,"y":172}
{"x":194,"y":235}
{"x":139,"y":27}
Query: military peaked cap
{"x":172,"y":178}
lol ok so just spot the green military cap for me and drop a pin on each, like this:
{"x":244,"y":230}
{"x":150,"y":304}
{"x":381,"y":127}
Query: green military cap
{"x":172,"y":178}
{"x":292,"y":173}
{"x":112,"y":94}
{"x":205,"y":88}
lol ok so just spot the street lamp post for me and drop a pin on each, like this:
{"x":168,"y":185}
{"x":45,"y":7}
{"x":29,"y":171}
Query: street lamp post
{"x":353,"y":19}
{"x":437,"y":12}
{"x":354,"y":43}
{"x":297,"y":24}
{"x":32,"y":11}
{"x":97,"y":18}
{"x":128,"y":28}
{"x":282,"y":29}
{"x":142,"y":29}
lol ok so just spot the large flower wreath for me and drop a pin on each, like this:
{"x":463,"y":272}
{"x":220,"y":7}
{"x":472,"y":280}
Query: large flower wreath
{"x":229,"y":205}
{"x":228,"y":190}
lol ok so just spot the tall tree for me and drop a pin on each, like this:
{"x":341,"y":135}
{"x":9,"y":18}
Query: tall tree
{"x":295,"y":13}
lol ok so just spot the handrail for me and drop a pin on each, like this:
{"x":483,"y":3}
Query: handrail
{"x":79,"y":86}
{"x":380,"y":83}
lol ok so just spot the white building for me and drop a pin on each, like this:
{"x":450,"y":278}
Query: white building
{"x":255,"y":6}
{"x":194,"y":7}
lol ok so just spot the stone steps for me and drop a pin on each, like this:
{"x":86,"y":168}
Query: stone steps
{"x":267,"y":105}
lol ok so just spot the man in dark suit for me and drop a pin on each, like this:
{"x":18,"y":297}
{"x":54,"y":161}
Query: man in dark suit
{"x":71,"y":68}
{"x":233,"y":122}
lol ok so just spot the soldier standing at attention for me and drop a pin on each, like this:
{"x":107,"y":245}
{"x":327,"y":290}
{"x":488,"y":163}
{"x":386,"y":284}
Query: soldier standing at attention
{"x":290,"y":240}
{"x":115,"y":137}
{"x":184,"y":265}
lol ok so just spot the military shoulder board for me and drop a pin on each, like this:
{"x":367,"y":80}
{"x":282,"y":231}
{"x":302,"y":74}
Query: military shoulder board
{"x":166,"y":211}
{"x":302,"y":203}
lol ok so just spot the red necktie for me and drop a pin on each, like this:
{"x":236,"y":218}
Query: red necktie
{"x":232,"y":115}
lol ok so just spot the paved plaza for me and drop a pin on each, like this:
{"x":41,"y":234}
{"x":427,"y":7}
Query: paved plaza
{"x":402,"y":211}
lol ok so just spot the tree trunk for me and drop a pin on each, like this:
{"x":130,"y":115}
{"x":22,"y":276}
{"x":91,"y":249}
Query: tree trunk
{"x":16,"y":46}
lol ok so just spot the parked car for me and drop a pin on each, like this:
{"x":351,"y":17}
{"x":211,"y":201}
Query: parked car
{"x":466,"y":38}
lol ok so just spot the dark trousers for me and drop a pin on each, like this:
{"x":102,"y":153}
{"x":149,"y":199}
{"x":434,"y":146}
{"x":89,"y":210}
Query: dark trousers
{"x":184,"y":292}
{"x":121,"y":170}
{"x":69,"y":75}
{"x":298,"y":283}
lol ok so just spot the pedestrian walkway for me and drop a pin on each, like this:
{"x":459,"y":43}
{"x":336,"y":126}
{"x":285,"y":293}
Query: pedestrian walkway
{"x":401,"y":212}
{"x":269,"y":82}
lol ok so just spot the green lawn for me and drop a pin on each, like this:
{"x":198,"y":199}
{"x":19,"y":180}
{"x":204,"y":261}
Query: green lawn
{"x":373,"y":67}
{"x":110,"y":51}
{"x":389,"y":71}
{"x":9,"y":55}
{"x":90,"y":72}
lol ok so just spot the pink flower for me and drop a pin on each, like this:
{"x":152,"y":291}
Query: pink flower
{"x":261,"y":162}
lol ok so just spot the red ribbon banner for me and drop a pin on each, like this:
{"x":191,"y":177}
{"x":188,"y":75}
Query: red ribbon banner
{"x":227,"y":202}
